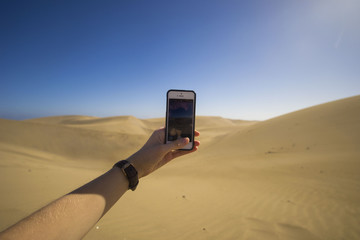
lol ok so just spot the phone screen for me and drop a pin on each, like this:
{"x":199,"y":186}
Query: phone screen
{"x":180,"y":119}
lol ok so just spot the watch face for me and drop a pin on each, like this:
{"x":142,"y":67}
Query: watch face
{"x":130,"y":173}
{"x":132,"y":176}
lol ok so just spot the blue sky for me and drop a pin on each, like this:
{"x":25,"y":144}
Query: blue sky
{"x":245,"y":59}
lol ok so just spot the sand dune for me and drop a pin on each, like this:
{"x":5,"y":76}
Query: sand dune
{"x":291,"y":177}
{"x":78,"y":138}
{"x":327,"y":127}
{"x":123,"y":124}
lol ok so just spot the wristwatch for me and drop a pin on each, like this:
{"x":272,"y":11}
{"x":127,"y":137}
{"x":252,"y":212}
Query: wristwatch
{"x":130,"y":172}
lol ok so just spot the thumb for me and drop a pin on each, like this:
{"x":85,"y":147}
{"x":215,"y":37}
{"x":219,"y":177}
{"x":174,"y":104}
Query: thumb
{"x":177,"y":144}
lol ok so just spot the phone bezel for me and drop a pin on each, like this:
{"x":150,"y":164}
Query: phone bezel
{"x":181,"y":94}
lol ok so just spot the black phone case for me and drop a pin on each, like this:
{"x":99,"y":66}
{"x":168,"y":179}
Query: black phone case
{"x":193,"y":123}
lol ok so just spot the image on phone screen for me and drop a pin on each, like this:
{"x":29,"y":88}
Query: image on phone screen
{"x":180,"y":119}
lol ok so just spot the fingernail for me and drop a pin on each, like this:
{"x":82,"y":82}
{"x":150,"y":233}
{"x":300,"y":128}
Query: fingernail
{"x":185,"y":140}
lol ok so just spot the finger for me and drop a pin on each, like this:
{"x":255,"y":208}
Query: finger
{"x":177,"y":144}
{"x":197,"y":133}
{"x":176,"y":154}
{"x":181,"y":153}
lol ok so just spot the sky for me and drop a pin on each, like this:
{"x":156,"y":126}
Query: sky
{"x":250,"y":60}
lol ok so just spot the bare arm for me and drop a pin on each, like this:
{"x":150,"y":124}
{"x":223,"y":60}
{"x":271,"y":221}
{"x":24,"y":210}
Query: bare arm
{"x":73,"y":215}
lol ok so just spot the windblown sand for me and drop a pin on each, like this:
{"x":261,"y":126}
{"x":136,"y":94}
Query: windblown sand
{"x":296,"y":176}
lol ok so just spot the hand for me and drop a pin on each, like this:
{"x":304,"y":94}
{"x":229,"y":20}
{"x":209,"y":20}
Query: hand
{"x":155,"y":153}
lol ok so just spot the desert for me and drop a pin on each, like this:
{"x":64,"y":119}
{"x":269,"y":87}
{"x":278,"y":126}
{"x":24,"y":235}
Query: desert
{"x":295,"y":176}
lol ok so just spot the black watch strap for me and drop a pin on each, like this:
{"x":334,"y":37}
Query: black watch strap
{"x":130,"y":172}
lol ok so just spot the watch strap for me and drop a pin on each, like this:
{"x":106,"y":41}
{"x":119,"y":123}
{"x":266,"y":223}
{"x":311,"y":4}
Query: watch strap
{"x":130,"y":172}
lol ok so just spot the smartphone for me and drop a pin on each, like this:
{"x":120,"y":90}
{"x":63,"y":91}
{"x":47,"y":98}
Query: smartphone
{"x":180,"y":116}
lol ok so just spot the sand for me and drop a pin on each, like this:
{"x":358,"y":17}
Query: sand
{"x":296,"y":176}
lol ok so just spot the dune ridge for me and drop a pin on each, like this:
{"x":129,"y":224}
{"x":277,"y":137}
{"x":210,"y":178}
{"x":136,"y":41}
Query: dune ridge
{"x":291,"y":177}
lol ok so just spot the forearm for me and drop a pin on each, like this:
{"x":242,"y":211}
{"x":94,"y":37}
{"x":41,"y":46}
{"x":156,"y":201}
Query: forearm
{"x":73,"y":215}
